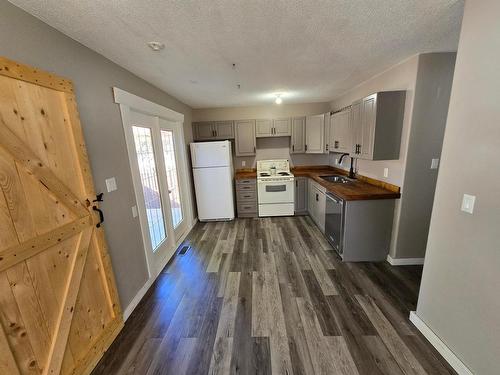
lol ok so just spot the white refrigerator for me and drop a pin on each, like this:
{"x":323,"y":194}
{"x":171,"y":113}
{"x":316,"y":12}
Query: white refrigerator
{"x":213,"y":180}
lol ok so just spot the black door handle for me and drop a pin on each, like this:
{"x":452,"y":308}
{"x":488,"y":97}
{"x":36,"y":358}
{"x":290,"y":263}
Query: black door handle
{"x":101,"y":216}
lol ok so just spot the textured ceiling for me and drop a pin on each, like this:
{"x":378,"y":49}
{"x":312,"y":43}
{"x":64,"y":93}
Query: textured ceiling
{"x":311,"y":50}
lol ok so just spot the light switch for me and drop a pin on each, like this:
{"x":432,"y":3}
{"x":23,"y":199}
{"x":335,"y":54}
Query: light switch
{"x":434,"y":163}
{"x":386,"y":172}
{"x":468,"y":203}
{"x":111,"y":184}
{"x":134,"y":211}
{"x":243,"y":163}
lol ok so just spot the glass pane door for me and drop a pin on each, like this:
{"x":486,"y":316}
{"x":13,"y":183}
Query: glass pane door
{"x":150,"y":187}
{"x":167,"y":140}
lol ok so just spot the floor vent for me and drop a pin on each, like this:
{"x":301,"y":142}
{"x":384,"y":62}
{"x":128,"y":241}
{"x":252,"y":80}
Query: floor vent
{"x":184,"y":249}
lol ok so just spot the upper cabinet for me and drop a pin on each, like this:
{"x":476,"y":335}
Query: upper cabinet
{"x":245,"y":137}
{"x":273,"y":128}
{"x":315,"y":134}
{"x":218,"y":130}
{"x":263,"y":128}
{"x":377,"y":123}
{"x":340,"y":132}
{"x":282,"y":127}
{"x":298,"y":140}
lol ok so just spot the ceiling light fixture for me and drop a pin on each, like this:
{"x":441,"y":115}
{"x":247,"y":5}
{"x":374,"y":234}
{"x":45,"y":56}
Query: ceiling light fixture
{"x":156,"y":46}
{"x":278,"y":99}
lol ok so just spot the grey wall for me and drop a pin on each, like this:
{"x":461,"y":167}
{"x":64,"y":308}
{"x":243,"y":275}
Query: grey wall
{"x":30,"y":41}
{"x":430,"y":108}
{"x":459,"y":296}
{"x":268,"y":148}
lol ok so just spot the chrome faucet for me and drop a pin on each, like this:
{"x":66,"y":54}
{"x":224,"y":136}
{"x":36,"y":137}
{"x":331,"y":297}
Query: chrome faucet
{"x":351,"y":169}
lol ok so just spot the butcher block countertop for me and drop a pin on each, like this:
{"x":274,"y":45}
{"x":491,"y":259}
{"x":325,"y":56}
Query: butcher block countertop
{"x":363,"y":188}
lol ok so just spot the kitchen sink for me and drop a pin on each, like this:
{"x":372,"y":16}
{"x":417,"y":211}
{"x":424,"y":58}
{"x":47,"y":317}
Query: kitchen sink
{"x":336,"y":179}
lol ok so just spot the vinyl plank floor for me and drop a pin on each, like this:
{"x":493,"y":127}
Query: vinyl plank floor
{"x":269,"y":296}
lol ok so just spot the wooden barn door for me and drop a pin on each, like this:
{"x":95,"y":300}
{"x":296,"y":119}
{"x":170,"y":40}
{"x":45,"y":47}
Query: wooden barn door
{"x":59,"y":308}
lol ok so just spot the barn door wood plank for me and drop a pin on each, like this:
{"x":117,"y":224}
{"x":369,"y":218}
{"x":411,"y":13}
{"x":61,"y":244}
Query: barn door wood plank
{"x":15,"y":330}
{"x":15,"y":146}
{"x":8,"y":237}
{"x":27,"y":73}
{"x":30,"y":310}
{"x":60,"y":337}
{"x":27,"y":249}
{"x":8,"y":363}
{"x":15,"y":197}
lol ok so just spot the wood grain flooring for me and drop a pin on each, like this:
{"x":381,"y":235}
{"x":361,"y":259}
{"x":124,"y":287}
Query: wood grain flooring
{"x":270,"y":296}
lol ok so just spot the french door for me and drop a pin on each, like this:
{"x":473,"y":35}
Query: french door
{"x":155,"y":152}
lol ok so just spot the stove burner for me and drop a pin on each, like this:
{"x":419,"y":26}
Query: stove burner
{"x":264,"y":174}
{"x":284,"y":174}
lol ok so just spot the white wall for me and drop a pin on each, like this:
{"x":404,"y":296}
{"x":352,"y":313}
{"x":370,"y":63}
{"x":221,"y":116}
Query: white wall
{"x":459,"y":296}
{"x":268,"y":148}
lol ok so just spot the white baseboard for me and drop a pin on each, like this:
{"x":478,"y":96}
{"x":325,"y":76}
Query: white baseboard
{"x":140,"y":294}
{"x":138,"y":297}
{"x":404,"y":261}
{"x":440,"y":346}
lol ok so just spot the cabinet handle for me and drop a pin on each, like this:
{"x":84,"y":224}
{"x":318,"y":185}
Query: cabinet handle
{"x":317,"y":197}
{"x":336,"y":144}
{"x":327,"y":147}
{"x":306,"y":147}
{"x":293,"y":147}
{"x":359,"y":149}
{"x":296,"y":183}
{"x":254,"y":149}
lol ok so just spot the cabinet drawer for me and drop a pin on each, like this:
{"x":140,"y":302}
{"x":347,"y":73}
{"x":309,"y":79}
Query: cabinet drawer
{"x":245,"y":188}
{"x":247,"y":181}
{"x":247,"y":208}
{"x":246,"y":195}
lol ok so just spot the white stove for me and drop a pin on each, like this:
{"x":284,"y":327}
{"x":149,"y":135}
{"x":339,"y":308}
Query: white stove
{"x":275,"y":185}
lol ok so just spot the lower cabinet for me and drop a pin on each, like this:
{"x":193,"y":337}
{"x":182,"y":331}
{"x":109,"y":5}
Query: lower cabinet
{"x":301,"y":195}
{"x":246,"y":197}
{"x":316,"y":203}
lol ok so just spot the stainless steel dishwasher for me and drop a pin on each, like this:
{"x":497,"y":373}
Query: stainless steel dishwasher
{"x":334,"y":222}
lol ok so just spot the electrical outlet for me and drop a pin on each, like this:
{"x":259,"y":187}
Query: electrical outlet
{"x":134,"y":211}
{"x":243,"y":163}
{"x":468,"y":203}
{"x":434,"y":163}
{"x":386,"y":172}
{"x":111,"y":184}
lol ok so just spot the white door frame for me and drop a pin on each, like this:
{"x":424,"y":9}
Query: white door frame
{"x":128,"y":102}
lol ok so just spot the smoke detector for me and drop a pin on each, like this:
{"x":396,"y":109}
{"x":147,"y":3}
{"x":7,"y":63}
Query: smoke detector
{"x":156,"y":46}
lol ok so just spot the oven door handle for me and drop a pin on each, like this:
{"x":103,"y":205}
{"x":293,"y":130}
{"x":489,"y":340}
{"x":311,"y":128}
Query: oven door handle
{"x":275,"y":188}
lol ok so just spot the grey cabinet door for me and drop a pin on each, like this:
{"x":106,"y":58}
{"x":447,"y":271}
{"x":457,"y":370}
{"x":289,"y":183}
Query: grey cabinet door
{"x":224,"y":129}
{"x":244,"y":137}
{"x":340,"y":132}
{"x":367,"y":133}
{"x":315,"y":134}
{"x":281,"y":127}
{"x":203,"y":131}
{"x":301,"y":195}
{"x":298,"y":140}
{"x":263,"y":128}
